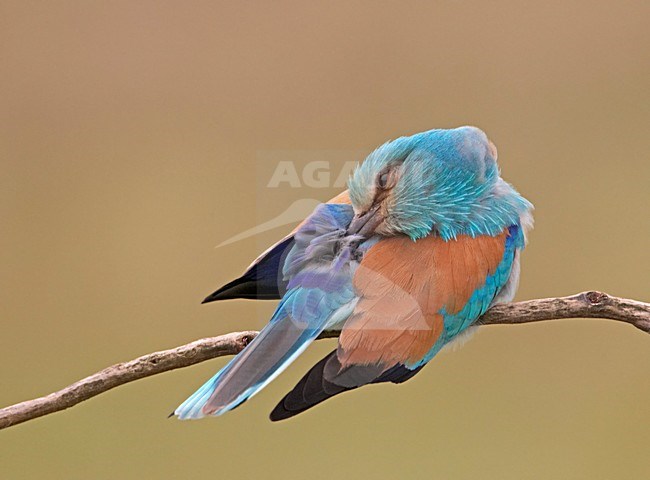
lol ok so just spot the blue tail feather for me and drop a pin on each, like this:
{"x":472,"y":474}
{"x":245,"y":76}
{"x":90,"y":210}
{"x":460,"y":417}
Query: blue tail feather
{"x":277,"y":345}
{"x":191,"y":408}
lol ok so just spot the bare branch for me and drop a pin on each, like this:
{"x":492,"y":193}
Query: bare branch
{"x":583,"y":305}
{"x":121,"y":373}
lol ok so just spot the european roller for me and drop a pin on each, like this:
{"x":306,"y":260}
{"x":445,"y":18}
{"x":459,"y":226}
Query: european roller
{"x":427,"y":237}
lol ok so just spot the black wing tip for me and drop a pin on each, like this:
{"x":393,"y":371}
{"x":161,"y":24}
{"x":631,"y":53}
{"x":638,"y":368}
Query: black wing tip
{"x":261,"y":281}
{"x":213,"y":297}
{"x":281,"y":412}
{"x":311,"y":390}
{"x":228,"y":291}
{"x":223,"y":295}
{"x":314,"y":388}
{"x":245,"y":288}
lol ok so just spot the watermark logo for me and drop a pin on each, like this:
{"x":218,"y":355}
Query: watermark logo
{"x":310,"y":172}
{"x":294,"y":214}
{"x":315,"y":174}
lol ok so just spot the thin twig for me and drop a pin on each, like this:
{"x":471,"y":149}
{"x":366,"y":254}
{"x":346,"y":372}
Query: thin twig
{"x":583,"y":305}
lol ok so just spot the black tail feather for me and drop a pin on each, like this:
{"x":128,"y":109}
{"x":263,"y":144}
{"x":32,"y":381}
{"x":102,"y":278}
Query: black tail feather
{"x":313,"y":388}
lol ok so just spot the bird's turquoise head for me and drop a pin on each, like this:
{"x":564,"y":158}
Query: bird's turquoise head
{"x":444,"y":182}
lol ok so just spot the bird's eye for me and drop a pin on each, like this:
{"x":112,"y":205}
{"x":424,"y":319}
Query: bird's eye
{"x":382,"y":181}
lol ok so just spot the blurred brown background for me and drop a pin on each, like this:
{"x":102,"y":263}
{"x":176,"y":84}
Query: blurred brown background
{"x":131,"y":142}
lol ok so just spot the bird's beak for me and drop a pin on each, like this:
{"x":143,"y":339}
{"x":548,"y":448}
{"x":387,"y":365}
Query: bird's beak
{"x":364,"y":224}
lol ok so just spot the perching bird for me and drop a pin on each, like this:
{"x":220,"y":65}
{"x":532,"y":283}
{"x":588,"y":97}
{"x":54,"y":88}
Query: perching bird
{"x":427,"y":238}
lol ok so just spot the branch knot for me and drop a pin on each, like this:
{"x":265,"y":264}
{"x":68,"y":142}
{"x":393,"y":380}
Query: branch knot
{"x":596,"y":298}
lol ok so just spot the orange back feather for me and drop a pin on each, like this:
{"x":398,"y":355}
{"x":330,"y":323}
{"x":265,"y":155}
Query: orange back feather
{"x":404,"y":285}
